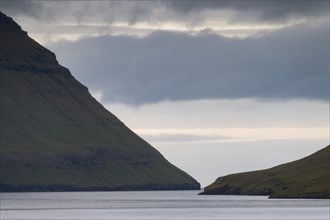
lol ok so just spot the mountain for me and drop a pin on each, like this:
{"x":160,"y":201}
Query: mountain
{"x":305,"y":178}
{"x":56,"y":137}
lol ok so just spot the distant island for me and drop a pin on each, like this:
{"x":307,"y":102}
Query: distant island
{"x":56,"y":137}
{"x":305,"y":178}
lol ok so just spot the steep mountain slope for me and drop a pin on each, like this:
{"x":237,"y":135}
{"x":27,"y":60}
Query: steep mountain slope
{"x":56,"y":136}
{"x":305,"y":178}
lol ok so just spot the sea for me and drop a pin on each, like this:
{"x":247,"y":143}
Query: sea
{"x":156,"y":205}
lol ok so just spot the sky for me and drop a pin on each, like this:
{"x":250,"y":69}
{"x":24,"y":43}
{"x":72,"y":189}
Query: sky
{"x":218,"y":87}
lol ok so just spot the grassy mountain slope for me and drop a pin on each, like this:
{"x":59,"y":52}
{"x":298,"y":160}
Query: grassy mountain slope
{"x":56,"y":136}
{"x":305,"y":178}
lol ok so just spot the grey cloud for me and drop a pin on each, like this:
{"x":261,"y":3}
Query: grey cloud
{"x":286,"y":64}
{"x":266,"y":9}
{"x":19,"y":7}
{"x":81,"y":11}
{"x":34,"y":9}
{"x":158,"y":11}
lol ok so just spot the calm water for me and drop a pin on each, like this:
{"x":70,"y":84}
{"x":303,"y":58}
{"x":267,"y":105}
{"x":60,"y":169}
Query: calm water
{"x":155,"y":205}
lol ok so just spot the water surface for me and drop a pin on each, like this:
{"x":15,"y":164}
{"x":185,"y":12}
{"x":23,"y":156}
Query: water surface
{"x":155,"y":205}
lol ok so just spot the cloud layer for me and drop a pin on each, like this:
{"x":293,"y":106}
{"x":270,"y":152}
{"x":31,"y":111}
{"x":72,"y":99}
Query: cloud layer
{"x":291,"y":62}
{"x":286,"y":64}
{"x":155,"y":11}
{"x":270,"y":10}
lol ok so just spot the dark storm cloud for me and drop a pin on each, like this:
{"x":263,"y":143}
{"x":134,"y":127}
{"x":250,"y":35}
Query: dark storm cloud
{"x":158,"y":11}
{"x":286,"y":64}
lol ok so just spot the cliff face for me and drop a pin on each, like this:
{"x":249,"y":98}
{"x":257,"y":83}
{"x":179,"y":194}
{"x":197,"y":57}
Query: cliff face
{"x":305,"y":178}
{"x":55,"y":136}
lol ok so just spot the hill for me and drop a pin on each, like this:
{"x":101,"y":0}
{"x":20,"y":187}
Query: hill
{"x":56,"y":137}
{"x":305,"y":178}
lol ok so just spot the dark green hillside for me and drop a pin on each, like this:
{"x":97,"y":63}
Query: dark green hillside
{"x":305,"y":178}
{"x":55,"y":136}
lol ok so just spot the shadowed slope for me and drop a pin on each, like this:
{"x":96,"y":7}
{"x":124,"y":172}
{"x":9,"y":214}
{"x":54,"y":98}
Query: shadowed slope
{"x":56,"y":136}
{"x":305,"y":178}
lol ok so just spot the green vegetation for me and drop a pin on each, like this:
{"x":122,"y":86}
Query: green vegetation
{"x":55,"y":136}
{"x":305,"y":178}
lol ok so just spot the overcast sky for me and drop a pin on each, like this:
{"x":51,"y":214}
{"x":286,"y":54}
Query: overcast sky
{"x":216,"y":86}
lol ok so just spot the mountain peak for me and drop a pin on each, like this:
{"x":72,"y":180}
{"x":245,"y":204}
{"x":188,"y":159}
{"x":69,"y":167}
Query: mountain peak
{"x":20,"y":52}
{"x":9,"y":25}
{"x":56,"y":137}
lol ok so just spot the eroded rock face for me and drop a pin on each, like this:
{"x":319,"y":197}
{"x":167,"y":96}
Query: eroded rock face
{"x":55,"y":136}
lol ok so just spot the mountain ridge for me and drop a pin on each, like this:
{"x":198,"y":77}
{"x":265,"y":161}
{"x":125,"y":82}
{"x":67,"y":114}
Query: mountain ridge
{"x":308,"y":177}
{"x":56,"y":137}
